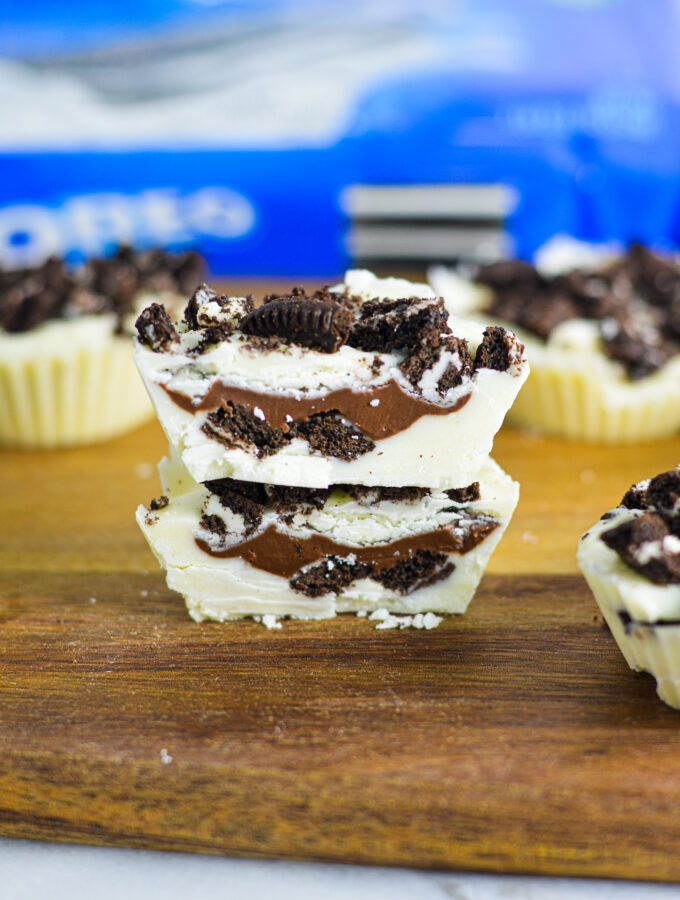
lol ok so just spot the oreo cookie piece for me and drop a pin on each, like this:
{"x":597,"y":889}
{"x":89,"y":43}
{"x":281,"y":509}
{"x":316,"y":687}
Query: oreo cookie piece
{"x":319,"y":324}
{"x":642,"y":544}
{"x":155,"y":328}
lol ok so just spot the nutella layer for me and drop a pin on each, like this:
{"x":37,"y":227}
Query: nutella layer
{"x":370,"y":382}
{"x":236,"y":548}
{"x":631,"y":561}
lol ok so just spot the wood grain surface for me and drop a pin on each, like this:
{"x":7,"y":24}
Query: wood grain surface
{"x":511,"y":739}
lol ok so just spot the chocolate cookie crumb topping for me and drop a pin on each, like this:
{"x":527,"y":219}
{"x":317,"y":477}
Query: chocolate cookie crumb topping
{"x":155,"y":328}
{"x":634,"y":498}
{"x":159,"y":503}
{"x":386,"y":325}
{"x":318,"y":324}
{"x":640,"y":542}
{"x":468,"y":494}
{"x":663,"y":495}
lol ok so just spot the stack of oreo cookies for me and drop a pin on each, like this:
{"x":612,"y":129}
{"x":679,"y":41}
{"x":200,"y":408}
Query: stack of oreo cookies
{"x":329,"y":451}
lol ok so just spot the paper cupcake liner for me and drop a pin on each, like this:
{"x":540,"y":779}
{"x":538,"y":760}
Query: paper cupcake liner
{"x":653,"y":648}
{"x":64,"y":400}
{"x":579,"y":404}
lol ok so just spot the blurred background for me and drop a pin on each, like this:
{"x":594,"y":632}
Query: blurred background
{"x":298,"y":137}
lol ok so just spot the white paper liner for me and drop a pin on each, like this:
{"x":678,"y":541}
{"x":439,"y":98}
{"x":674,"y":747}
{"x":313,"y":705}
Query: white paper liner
{"x":66,"y":399}
{"x":653,"y":648}
{"x":581,"y":404}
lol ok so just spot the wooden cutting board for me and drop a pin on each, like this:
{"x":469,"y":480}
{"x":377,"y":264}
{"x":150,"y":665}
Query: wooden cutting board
{"x":511,"y":739}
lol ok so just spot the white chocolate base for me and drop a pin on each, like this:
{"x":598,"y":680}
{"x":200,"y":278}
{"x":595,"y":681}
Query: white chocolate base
{"x":646,"y":643}
{"x":223,"y":589}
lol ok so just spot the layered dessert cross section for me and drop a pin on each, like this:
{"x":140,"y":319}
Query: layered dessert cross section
{"x":370,"y":382}
{"x":238,"y":548}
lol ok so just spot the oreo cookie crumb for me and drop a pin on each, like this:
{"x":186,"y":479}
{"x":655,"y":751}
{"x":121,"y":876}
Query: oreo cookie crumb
{"x":246,"y":498}
{"x":386,"y":325}
{"x":330,"y":575}
{"x":663,"y":495}
{"x":234,"y":426}
{"x":508,"y":273}
{"x":628,"y":540}
{"x":159,"y":503}
{"x":367,"y":496}
{"x":155,"y":328}
{"x":319,"y":324}
{"x":420,"y":570}
{"x":428,"y":354}
{"x":331,"y":434}
{"x":637,"y":344}
{"x":288,"y":499}
{"x":499,"y":349}
{"x":469,"y":494}
{"x":634,"y":498}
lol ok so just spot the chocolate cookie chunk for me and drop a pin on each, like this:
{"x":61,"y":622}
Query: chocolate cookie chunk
{"x":640,"y":544}
{"x":467,"y":494}
{"x":320,"y":325}
{"x":499,"y":350}
{"x":155,"y":328}
{"x":234,"y":426}
{"x":245,"y":498}
{"x":330,"y":575}
{"x":386,"y":325}
{"x":420,"y":570}
{"x":331,"y":434}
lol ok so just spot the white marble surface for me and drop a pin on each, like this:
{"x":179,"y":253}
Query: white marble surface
{"x":31,"y":870}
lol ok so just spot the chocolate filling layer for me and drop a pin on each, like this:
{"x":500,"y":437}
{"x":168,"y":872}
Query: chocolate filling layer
{"x":395,"y":411}
{"x":282,"y":554}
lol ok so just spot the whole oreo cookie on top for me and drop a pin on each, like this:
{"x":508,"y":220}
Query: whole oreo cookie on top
{"x":319,"y":324}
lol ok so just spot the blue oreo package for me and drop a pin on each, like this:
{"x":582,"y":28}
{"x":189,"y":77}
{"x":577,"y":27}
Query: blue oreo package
{"x":298,"y":137}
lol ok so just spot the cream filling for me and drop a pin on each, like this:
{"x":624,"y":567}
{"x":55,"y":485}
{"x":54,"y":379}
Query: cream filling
{"x":222,"y":588}
{"x":639,"y":597}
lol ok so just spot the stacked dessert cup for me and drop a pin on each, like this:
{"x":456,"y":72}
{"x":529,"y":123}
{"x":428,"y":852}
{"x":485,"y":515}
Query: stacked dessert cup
{"x":329,"y":452}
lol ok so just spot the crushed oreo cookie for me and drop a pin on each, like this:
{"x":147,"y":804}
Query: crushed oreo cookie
{"x":333,"y":574}
{"x":155,"y":328}
{"x":419,"y":570}
{"x":469,"y":494}
{"x":159,"y":503}
{"x":499,"y":350}
{"x":328,"y":433}
{"x":289,"y":499}
{"x":330,"y":575}
{"x":635,"y":300}
{"x":650,"y":542}
{"x":321,"y":324}
{"x":31,"y":296}
{"x":367,"y":496}
{"x":386,"y":325}
{"x":331,"y":434}
{"x":234,"y":426}
{"x":245,"y":498}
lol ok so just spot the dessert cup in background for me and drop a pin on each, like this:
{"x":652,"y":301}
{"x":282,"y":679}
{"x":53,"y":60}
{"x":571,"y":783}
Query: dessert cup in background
{"x":631,"y":561}
{"x":66,"y":372}
{"x":602,"y":333}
